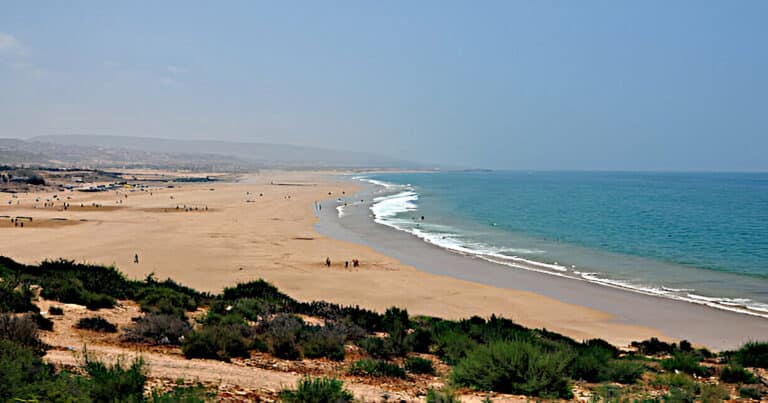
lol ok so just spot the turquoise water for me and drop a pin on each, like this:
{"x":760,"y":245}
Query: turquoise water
{"x":701,"y":237}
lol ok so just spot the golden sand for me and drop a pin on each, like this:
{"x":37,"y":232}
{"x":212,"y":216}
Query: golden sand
{"x":262,"y":227}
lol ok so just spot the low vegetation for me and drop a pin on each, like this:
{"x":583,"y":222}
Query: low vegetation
{"x":317,"y":390}
{"x":485,"y":354}
{"x":418,"y":365}
{"x":376,"y":368}
{"x":96,"y":324}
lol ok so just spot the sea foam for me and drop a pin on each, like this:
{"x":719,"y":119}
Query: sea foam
{"x":397,"y":199}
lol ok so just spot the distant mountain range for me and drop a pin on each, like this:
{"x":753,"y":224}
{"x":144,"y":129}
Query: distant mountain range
{"x":124,"y":151}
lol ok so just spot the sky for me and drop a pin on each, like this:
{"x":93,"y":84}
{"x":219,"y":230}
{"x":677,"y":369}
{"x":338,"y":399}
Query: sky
{"x":571,"y":85}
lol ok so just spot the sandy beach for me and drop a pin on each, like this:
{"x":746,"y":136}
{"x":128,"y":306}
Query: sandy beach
{"x":263,"y":226}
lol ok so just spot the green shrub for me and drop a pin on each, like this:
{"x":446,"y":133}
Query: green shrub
{"x":317,"y":390}
{"x":114,"y":383}
{"x":25,"y":377}
{"x":735,"y":373}
{"x":71,"y":290}
{"x":56,"y":311}
{"x":281,"y":334}
{"x":420,"y":340}
{"x":395,"y":319}
{"x":21,"y":330}
{"x":258,"y":289}
{"x":595,"y":363}
{"x":364,"y":318}
{"x":624,"y":371}
{"x":220,"y":342}
{"x":182,"y":394}
{"x":321,"y":341}
{"x":375,"y":347}
{"x":157,"y":329}
{"x":712,"y":393}
{"x":591,"y":364}
{"x":685,"y":362}
{"x":519,"y":367}
{"x":418,"y":365}
{"x":249,"y":308}
{"x":654,"y":346}
{"x":165,"y":301}
{"x":670,"y":380}
{"x":452,"y":346}
{"x":16,"y":300}
{"x":442,"y":396}
{"x":610,"y":393}
{"x":93,"y":279}
{"x":377,"y":368}
{"x":96,"y":324}
{"x":752,"y":354}
{"x":751,"y":392}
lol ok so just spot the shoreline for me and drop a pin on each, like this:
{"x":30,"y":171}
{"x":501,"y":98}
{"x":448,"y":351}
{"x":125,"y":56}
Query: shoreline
{"x":677,"y":319}
{"x":254,"y":229}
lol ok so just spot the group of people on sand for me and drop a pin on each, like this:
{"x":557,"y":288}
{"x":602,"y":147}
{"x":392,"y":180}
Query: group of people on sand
{"x":355,"y":262}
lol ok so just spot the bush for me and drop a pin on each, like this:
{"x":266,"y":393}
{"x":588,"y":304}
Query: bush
{"x":249,"y":308}
{"x":182,"y":394}
{"x":624,"y":371}
{"x":751,"y":392}
{"x":113,"y":383}
{"x":610,"y":393}
{"x":165,"y":301}
{"x":752,"y":354}
{"x":56,"y":311}
{"x":366,"y":319}
{"x":25,"y":377}
{"x":16,"y":300}
{"x":712,"y":393}
{"x":654,"y":346}
{"x":735,"y":373}
{"x":282,"y":335}
{"x":420,"y":340}
{"x":349,"y":330}
{"x":219,"y":342}
{"x":377,"y":368}
{"x":96,"y":324}
{"x":258,"y":289}
{"x":317,"y":390}
{"x":442,"y":396}
{"x":158,"y":329}
{"x":395,"y":319}
{"x":591,"y":364}
{"x":321,"y":341}
{"x":452,"y":346}
{"x":518,"y":367}
{"x":375,"y":347}
{"x":685,"y":362}
{"x":21,"y":330}
{"x":71,"y":290}
{"x":418,"y":365}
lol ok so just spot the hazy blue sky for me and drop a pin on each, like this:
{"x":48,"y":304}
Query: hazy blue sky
{"x":663,"y":85}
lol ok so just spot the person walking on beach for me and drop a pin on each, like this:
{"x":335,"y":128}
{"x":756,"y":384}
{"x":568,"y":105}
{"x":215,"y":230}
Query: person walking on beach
{"x":328,"y":261}
{"x":136,"y":258}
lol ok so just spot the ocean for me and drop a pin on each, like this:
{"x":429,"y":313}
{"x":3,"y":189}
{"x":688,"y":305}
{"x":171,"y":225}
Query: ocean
{"x":698,"y":237}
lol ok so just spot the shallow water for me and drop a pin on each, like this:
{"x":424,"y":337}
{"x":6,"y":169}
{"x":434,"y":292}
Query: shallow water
{"x":701,"y":237}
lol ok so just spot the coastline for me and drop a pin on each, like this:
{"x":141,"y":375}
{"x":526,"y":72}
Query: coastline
{"x":262,"y":227}
{"x":701,"y":324}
